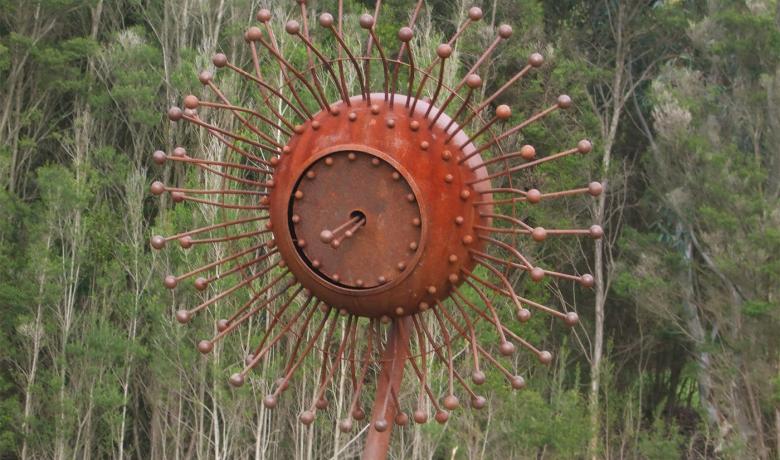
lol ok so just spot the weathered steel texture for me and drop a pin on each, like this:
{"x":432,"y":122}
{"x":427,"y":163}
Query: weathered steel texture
{"x":429,"y":205}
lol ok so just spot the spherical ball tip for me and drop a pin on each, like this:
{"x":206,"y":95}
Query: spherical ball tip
{"x":175,"y":113}
{"x":263,"y":15}
{"x":451,"y":402}
{"x":254,"y":34}
{"x":473,"y":81}
{"x":269,"y":402}
{"x":158,"y":242}
{"x":236,"y":380}
{"x":506,"y":348}
{"x":587,"y":280}
{"x":170,"y":282}
{"x":219,"y":60}
{"x":183,"y":316}
{"x":159,"y":157}
{"x":205,"y":346}
{"x":571,"y":319}
{"x":326,"y":20}
{"x":536,"y":60}
{"x":345,"y":426}
{"x":564,"y":101}
{"x":292,"y":27}
{"x":444,"y":51}
{"x":478,"y":402}
{"x":381,"y":426}
{"x":191,"y":101}
{"x":533,"y":196}
{"x":307,"y":417}
{"x":584,"y":146}
{"x":366,"y":21}
{"x":405,"y":34}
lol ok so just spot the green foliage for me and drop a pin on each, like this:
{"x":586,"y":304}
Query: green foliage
{"x":661,"y":442}
{"x":691,"y":312}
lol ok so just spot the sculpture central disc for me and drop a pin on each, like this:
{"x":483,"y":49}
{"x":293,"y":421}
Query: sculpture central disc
{"x":373,"y":209}
{"x":359,"y":225}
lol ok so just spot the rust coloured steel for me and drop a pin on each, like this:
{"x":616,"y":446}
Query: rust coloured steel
{"x":351,"y":221}
{"x":399,"y":176}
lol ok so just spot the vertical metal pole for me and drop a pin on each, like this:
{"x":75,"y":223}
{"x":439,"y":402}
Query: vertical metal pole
{"x":393,"y":361}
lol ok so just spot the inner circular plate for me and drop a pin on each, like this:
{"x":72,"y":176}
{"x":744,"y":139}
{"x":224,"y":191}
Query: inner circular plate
{"x":355,"y":220}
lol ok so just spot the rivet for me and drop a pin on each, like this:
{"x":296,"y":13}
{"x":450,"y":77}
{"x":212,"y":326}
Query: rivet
{"x":413,"y":245}
{"x":448,"y":178}
{"x":298,"y":129}
{"x":396,"y":176}
{"x":296,"y":218}
{"x":459,"y":220}
{"x":452,"y":259}
{"x":416,"y":222}
{"x":298,"y":194}
{"x":269,"y":226}
{"x":465,"y":194}
{"x":286,"y":149}
{"x":410,"y":198}
{"x":359,"y":282}
{"x":335,"y":111}
{"x":315,"y":263}
{"x":381,"y":280}
{"x":343,"y":312}
{"x":282,"y":263}
{"x":399,"y":311}
{"x":301,"y":243}
{"x":424,"y":145}
{"x":315,"y":125}
{"x":431,"y":290}
{"x":414,"y":125}
{"x":401,"y":266}
{"x":468,"y":239}
{"x":390,"y":123}
{"x":446,"y":155}
{"x":423,"y":306}
{"x":311,"y":174}
{"x":453,"y":278}
{"x":375,"y":162}
{"x":274,"y":161}
{"x":385,"y":319}
{"x":335,"y":277}
{"x":329,"y":161}
{"x":351,"y":156}
{"x":352,"y":116}
{"x":374,"y":109}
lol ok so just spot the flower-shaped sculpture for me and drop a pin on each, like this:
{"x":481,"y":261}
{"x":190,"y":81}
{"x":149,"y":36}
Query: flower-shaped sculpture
{"x":377,"y":209}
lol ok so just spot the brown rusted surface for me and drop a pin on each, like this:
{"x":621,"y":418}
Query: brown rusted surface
{"x":432,"y":187}
{"x":355,"y":224}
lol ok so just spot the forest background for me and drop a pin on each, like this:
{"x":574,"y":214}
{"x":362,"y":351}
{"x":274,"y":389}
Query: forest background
{"x":676,"y":355}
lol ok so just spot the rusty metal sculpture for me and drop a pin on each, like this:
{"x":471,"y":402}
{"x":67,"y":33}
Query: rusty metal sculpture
{"x":380,"y":206}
